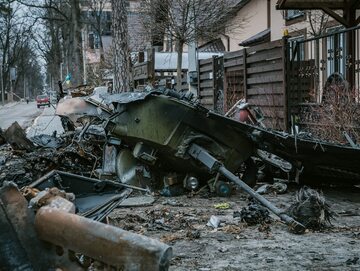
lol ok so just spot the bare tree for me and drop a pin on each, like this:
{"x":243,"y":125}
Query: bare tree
{"x":121,"y":48}
{"x":318,"y":22}
{"x":95,"y":18}
{"x":185,"y":21}
{"x":16,"y":49}
{"x":63,"y":16}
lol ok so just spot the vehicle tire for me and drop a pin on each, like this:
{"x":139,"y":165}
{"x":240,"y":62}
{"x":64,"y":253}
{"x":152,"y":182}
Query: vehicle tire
{"x":38,"y":106}
{"x":48,"y":105}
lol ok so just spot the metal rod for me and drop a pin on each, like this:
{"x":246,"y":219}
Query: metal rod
{"x":292,"y":223}
{"x":214,"y":165}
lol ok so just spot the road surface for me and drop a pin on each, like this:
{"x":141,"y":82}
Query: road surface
{"x":37,"y":121}
{"x":21,"y":112}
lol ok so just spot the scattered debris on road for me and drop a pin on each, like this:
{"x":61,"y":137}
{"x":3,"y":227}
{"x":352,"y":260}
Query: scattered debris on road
{"x":121,"y":151}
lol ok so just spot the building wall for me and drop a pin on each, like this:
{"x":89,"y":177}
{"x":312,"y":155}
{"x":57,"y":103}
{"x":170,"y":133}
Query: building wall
{"x":138,"y":38}
{"x":249,"y":20}
{"x":277,"y":22}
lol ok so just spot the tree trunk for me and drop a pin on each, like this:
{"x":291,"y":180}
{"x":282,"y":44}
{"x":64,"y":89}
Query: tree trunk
{"x":121,"y":48}
{"x":180,"y":46}
{"x":76,"y":67}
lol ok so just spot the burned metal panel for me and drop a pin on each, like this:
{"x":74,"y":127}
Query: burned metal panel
{"x":166,"y":124}
{"x":93,"y":198}
{"x":80,"y":107}
{"x":320,"y":161}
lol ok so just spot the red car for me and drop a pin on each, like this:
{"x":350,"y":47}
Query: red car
{"x":42,"y":100}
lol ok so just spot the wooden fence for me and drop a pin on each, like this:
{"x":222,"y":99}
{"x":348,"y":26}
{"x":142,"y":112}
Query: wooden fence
{"x":256,"y":74}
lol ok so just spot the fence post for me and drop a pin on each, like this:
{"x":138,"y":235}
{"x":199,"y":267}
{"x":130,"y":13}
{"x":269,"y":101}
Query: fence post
{"x":225,"y":85}
{"x":285,"y":79}
{"x":213,"y":82}
{"x":245,"y":74}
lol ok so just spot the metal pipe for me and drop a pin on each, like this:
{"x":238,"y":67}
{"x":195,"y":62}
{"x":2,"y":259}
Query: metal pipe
{"x":292,"y":223}
{"x":101,"y":242}
{"x":214,"y":165}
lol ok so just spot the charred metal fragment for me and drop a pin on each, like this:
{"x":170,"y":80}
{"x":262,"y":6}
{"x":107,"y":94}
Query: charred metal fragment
{"x":214,"y":165}
{"x":94,"y":198}
{"x":16,"y":137}
{"x":51,"y":237}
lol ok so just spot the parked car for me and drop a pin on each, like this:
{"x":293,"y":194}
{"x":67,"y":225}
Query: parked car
{"x":42,"y":100}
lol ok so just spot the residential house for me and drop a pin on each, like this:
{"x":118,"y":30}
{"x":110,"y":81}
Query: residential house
{"x":97,"y":39}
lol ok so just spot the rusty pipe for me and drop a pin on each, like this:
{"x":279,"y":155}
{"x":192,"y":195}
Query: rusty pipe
{"x":101,"y":242}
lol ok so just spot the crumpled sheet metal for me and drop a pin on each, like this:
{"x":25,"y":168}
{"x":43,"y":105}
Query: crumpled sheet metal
{"x":124,"y":97}
{"x":94,"y":198}
{"x":78,"y":107}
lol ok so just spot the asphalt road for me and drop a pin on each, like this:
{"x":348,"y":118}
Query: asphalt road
{"x":21,"y":112}
{"x":36,"y":121}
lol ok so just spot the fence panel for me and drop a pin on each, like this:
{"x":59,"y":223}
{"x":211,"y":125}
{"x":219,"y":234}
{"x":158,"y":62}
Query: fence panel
{"x":265,"y":82}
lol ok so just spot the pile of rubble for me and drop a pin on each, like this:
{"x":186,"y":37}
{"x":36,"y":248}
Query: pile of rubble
{"x":153,"y":142}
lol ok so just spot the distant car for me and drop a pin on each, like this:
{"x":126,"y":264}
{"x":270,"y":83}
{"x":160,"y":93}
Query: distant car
{"x":42,"y":100}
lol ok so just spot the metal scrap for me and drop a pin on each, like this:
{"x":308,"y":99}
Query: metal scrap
{"x":23,"y":233}
{"x":16,"y":137}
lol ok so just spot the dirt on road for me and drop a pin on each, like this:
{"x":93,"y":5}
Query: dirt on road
{"x":181,"y":223}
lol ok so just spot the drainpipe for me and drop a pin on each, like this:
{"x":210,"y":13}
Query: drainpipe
{"x":227,"y":42}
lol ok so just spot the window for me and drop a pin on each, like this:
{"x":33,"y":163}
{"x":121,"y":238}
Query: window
{"x":106,"y":23}
{"x":94,"y":41}
{"x":335,"y":50}
{"x":296,"y":49}
{"x":293,"y":13}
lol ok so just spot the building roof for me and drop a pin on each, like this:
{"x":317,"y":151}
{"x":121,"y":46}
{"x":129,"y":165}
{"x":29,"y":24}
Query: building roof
{"x":348,"y":18}
{"x":316,"y":4}
{"x":260,"y":37}
{"x":167,"y":61}
{"x":215,"y":45}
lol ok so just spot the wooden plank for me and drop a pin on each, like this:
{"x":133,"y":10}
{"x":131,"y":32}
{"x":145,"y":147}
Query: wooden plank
{"x":265,"y":79}
{"x":267,"y":86}
{"x":265,"y":68}
{"x":273,"y":111}
{"x":207,"y":68}
{"x":263,"y":100}
{"x":206,"y":84}
{"x":206,"y":61}
{"x":268,"y":74}
{"x":265,"y":56}
{"x":229,"y":55}
{"x":235,"y":62}
{"x":265,"y":91}
{"x":265,"y":46}
{"x":205,"y":65}
{"x":209,"y":92}
{"x":205,"y":76}
{"x":233,"y":69}
{"x":208,"y":101}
